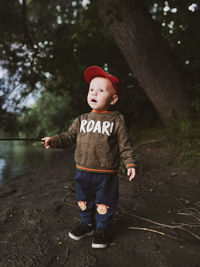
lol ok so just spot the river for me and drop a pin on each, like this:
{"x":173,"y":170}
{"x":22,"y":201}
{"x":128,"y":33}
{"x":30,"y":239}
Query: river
{"x":19,"y":157}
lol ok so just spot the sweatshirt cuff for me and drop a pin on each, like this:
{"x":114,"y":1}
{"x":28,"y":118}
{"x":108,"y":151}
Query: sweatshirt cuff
{"x":54,"y":141}
{"x":130,"y":165}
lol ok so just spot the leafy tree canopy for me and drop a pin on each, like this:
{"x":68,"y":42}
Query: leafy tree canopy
{"x":48,"y":44}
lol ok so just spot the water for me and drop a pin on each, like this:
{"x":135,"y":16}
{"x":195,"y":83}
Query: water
{"x":19,"y":157}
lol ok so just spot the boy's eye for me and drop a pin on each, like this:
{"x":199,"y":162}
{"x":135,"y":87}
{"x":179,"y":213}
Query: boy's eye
{"x":91,"y":89}
{"x":101,"y":90}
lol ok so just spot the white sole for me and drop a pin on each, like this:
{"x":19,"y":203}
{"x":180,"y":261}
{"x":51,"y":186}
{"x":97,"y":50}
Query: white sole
{"x":79,"y":237}
{"x":99,"y":245}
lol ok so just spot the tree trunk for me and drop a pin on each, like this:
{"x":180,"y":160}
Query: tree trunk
{"x":139,"y":39}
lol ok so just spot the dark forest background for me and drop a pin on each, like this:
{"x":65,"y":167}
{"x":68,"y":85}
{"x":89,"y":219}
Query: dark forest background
{"x":45,"y":46}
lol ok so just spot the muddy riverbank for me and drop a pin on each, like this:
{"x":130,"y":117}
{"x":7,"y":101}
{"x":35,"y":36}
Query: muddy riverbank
{"x":39,"y":208}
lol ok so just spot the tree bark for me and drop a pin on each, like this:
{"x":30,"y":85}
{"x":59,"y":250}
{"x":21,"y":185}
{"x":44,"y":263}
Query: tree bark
{"x":139,"y":39}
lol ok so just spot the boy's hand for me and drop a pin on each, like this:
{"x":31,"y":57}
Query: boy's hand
{"x":46,"y":141}
{"x":131,"y":173}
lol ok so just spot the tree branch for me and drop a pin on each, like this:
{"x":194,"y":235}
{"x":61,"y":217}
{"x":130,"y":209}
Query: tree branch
{"x":173,"y":227}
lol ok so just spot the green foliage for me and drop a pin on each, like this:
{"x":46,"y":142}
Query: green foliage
{"x":9,"y":125}
{"x":50,"y":115}
{"x":184,"y":141}
{"x":48,"y":44}
{"x":187,"y":143}
{"x":51,"y":50}
{"x":180,"y":140}
{"x":196,"y":98}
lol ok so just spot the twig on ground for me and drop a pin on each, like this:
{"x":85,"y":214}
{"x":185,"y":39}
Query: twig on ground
{"x":148,"y":220}
{"x":180,"y":200}
{"x":191,"y":233}
{"x":193,"y":212}
{"x":65,"y":197}
{"x":190,"y":225}
{"x":68,"y":195}
{"x":71,"y":204}
{"x":66,"y":257}
{"x":153,"y":231}
{"x":174,"y":227}
{"x":197,"y":204}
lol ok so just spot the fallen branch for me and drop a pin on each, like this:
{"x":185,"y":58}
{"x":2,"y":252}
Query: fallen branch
{"x":190,"y":211}
{"x":174,"y":227}
{"x":148,"y":220}
{"x":190,"y":225}
{"x":191,"y":233}
{"x":153,"y":231}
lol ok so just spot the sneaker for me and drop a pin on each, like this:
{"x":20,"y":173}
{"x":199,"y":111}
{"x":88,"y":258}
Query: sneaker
{"x":82,"y":230}
{"x":99,"y":239}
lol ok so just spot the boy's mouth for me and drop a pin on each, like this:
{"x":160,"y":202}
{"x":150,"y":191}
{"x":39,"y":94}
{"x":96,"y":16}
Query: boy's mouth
{"x":93,"y":100}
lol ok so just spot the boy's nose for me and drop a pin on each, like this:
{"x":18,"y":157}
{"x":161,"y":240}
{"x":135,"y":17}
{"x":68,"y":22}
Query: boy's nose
{"x":94,"y":93}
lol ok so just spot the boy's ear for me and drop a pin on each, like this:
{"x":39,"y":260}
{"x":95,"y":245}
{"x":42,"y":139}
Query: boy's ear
{"x":114,"y":99}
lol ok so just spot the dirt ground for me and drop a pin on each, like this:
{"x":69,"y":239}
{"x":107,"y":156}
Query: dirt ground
{"x":39,"y":208}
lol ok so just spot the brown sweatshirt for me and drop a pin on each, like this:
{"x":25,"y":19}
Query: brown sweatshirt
{"x":101,"y":139}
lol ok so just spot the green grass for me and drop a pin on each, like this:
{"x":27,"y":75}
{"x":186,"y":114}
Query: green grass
{"x":183,"y":140}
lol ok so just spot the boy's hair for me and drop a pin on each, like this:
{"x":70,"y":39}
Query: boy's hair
{"x":95,"y":71}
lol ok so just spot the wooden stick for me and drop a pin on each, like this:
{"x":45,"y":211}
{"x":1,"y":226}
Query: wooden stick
{"x":20,"y":139}
{"x":191,"y":233}
{"x":153,"y":231}
{"x":148,"y":220}
{"x":174,"y":227}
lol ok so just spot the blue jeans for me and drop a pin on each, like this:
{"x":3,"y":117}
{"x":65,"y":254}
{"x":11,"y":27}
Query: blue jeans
{"x":96,"y":193}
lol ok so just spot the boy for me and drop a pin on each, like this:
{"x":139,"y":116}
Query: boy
{"x":101,"y":138}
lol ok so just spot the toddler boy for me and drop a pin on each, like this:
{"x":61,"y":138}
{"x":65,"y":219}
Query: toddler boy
{"x":101,"y":139}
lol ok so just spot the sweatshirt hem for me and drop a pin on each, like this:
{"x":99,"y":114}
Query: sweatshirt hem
{"x":95,"y":170}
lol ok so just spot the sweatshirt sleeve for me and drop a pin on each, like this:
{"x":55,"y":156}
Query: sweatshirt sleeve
{"x":66,"y":139}
{"x":125,"y":147}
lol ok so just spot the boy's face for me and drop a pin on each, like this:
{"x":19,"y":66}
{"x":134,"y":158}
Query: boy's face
{"x":101,"y":94}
